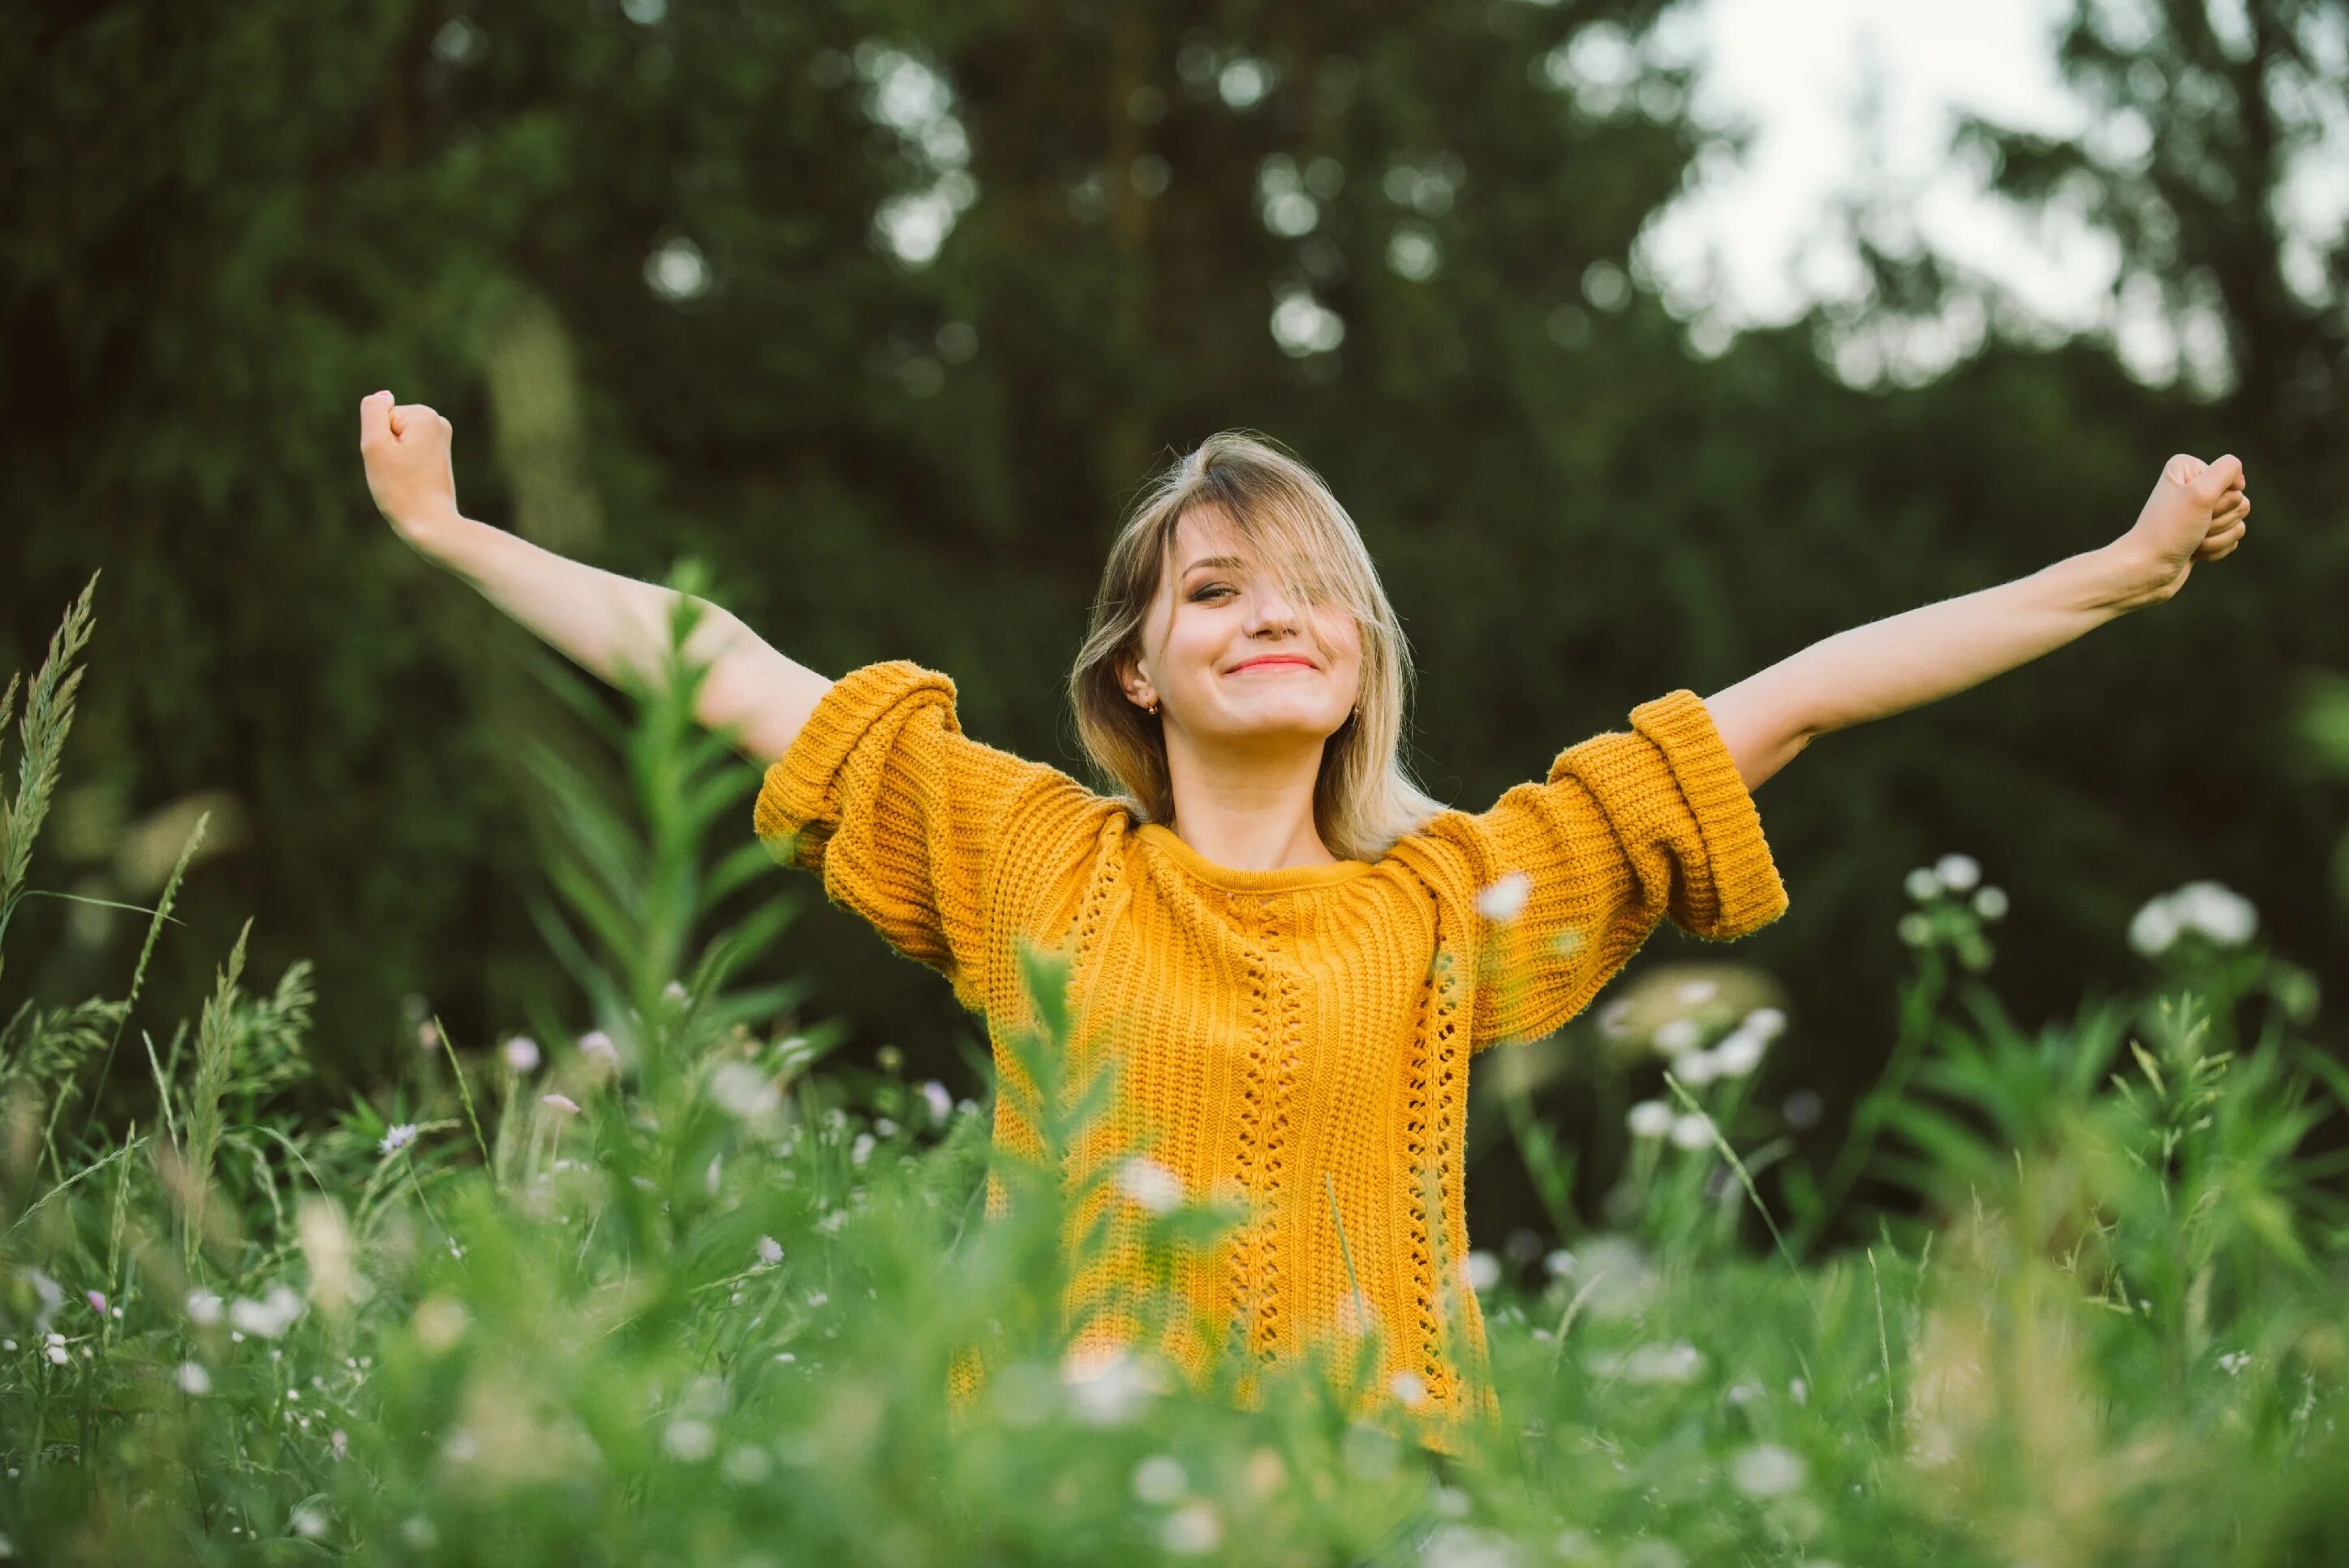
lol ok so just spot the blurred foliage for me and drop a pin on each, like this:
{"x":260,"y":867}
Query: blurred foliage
{"x":638,"y":253}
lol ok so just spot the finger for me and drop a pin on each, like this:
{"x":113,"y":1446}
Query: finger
{"x":375,"y":416}
{"x":2181,"y":468}
{"x":409,"y":417}
{"x":2219,"y":543}
{"x":2215,"y":480}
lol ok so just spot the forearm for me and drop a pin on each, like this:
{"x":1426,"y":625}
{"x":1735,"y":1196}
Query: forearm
{"x":1920,"y":655}
{"x":615,"y":626}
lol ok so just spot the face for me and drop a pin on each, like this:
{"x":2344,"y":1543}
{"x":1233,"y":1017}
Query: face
{"x":1213,"y":613}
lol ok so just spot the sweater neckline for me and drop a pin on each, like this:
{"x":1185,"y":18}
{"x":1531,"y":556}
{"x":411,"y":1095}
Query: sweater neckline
{"x":1284,"y":879}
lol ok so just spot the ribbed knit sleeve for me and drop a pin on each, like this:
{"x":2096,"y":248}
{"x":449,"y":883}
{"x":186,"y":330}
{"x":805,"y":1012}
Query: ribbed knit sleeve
{"x":1627,"y":827}
{"x":900,"y":812}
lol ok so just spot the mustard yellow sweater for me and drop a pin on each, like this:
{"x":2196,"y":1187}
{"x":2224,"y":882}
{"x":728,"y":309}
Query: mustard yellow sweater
{"x":1273,"y":1028}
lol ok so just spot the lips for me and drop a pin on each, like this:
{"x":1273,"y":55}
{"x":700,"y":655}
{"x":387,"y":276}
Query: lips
{"x":1274,"y":661}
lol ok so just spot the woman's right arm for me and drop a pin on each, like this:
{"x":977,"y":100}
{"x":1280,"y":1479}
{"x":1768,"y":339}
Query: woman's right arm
{"x":606,"y":624}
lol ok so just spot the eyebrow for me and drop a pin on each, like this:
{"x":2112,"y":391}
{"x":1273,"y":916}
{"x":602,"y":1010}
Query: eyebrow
{"x":1231,"y":560}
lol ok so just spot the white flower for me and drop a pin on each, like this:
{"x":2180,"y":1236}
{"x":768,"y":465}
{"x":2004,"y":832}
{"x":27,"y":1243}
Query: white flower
{"x":1159,"y":1478}
{"x":1408,"y":1387}
{"x":1922,"y":883}
{"x":1191,"y":1530}
{"x":194,"y":1379}
{"x":1767,"y":1022}
{"x":561,"y":1102}
{"x":1957,"y":872}
{"x":596,"y":1044}
{"x":59,"y":1354}
{"x":1767,"y":1470}
{"x":1695,"y":993}
{"x":2154,"y":928}
{"x":1150,"y":1184}
{"x":771,"y":1251}
{"x":1738,"y":1053}
{"x":1675,"y":1363}
{"x":1677,"y":1035}
{"x":744,"y":1090}
{"x":862,"y":1150}
{"x":2234,"y":1361}
{"x":675,"y":991}
{"x":1506,"y":899}
{"x":398,"y":1138}
{"x":1695,"y":1068}
{"x":204,"y":1308}
{"x":1561,"y":1263}
{"x":1615,"y":1018}
{"x":1481,"y":1270}
{"x":690,"y":1440}
{"x":521,"y":1054}
{"x":308,"y":1522}
{"x":941,"y":1103}
{"x":1648,"y":1119}
{"x":1693,"y":1131}
{"x":2223,"y":915}
{"x":1990,"y":903}
{"x":1914,"y":929}
{"x":1109,"y":1388}
{"x":267,"y":1318}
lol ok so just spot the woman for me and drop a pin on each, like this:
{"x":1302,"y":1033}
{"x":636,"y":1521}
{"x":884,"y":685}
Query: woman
{"x":1293,"y":951}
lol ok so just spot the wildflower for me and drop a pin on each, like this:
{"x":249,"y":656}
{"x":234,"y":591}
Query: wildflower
{"x":1990,"y":903}
{"x":1615,"y":1018}
{"x":1693,"y":993}
{"x":1506,"y":899}
{"x":862,"y":1150}
{"x":1481,"y":1270}
{"x":1957,"y":872}
{"x":1767,"y":1470}
{"x":1561,"y":1263}
{"x":1150,"y":1184}
{"x":1191,"y":1530}
{"x":1922,"y":883}
{"x":771,"y":1251}
{"x":521,"y":1054}
{"x":743,"y":1090}
{"x":1677,"y":1036}
{"x":745,"y":1465}
{"x":59,"y":1354}
{"x":97,"y":1300}
{"x":398,"y":1138}
{"x":561,"y":1102}
{"x":1648,"y":1119}
{"x":341,"y":1444}
{"x":194,"y":1379}
{"x":1675,"y":1363}
{"x":1695,"y":1068}
{"x":941,"y":1103}
{"x":1693,"y":1131}
{"x":268,"y":1317}
{"x":690,"y":1440}
{"x":1159,"y":1478}
{"x":309,"y":1523}
{"x":675,"y":991}
{"x":1739,"y":1053}
{"x":1111,"y":1387}
{"x":1409,"y":1388}
{"x":2234,"y":1361}
{"x":428,"y":1036}
{"x":597,"y":1046}
{"x":1767,"y":1022}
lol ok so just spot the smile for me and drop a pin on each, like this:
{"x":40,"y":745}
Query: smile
{"x":1278,"y":662}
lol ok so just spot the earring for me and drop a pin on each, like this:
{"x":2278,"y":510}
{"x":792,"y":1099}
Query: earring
{"x":1154,"y":707}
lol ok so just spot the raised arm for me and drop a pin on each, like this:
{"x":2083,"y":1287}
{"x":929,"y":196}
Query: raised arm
{"x":2197,"y":513}
{"x":608,"y":625}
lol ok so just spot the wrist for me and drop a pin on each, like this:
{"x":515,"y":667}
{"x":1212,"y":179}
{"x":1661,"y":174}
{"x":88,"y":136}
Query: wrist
{"x":2126,"y":578}
{"x":436,"y":533}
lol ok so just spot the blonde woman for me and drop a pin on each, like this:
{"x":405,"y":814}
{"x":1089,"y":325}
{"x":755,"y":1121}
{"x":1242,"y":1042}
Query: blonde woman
{"x":1293,"y":951}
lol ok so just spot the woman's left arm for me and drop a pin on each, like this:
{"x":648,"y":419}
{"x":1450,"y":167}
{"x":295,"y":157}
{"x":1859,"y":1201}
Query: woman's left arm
{"x":2196,"y":512}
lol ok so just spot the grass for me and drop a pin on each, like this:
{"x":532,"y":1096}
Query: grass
{"x":666,"y":1287}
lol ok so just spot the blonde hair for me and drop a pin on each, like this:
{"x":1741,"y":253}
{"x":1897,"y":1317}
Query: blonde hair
{"x":1363,"y":799}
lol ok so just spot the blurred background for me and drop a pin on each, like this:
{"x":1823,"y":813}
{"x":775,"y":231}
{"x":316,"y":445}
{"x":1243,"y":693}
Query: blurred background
{"x":1646,"y":344}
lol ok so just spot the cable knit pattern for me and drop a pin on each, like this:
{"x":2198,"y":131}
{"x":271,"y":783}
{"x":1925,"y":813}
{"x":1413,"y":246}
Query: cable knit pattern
{"x":1282,"y":1037}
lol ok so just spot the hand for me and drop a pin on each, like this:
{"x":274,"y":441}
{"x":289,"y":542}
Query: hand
{"x":2197,"y":511}
{"x":406,"y":449}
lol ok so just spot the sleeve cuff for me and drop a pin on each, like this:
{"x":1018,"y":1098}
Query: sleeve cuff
{"x":1737,"y":888}
{"x":798,"y":804}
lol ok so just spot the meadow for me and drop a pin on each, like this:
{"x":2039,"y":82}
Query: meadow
{"x":652,"y":1280}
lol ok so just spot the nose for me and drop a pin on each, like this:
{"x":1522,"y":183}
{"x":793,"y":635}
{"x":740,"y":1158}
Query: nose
{"x":1268,"y":612}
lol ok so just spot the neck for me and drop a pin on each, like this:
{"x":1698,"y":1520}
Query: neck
{"x":1250,"y":811}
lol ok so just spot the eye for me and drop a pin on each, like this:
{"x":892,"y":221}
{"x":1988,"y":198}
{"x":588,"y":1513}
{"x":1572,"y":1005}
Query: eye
{"x":1199,"y":594}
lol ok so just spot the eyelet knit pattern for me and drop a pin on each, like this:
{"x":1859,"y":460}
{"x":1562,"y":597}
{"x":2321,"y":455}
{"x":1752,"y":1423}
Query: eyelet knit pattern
{"x":1287,"y":1037}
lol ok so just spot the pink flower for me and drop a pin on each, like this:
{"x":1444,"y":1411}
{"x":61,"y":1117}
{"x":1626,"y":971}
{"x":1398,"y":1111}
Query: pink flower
{"x":98,"y":1302}
{"x":560,"y":1102}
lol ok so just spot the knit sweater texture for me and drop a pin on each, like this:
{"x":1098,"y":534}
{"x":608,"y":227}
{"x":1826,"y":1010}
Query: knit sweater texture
{"x":1279,"y":1038}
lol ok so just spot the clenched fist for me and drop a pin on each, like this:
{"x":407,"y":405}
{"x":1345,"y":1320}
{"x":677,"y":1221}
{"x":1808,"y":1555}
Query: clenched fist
{"x":406,"y":449}
{"x":2197,"y":511}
